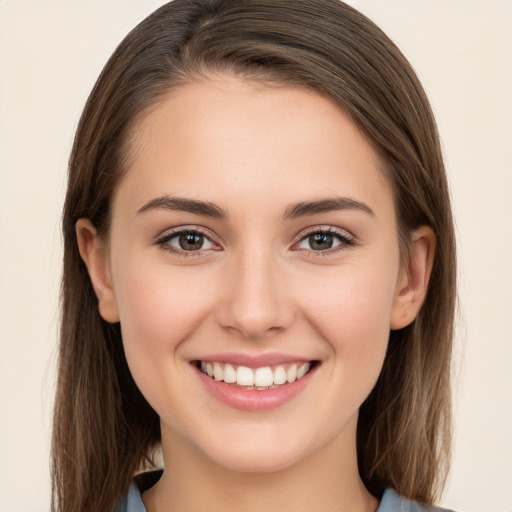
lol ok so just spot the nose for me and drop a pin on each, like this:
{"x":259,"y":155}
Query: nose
{"x":255,"y":304}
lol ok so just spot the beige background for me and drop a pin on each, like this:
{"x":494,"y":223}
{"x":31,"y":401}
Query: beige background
{"x":50,"y":55}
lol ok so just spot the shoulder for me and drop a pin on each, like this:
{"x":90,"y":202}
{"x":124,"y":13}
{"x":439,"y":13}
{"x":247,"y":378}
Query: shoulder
{"x":132,"y":502}
{"x":392,"y":502}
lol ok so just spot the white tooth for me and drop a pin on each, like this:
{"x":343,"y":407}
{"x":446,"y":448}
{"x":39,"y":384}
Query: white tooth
{"x":229,"y":374}
{"x":244,"y":376}
{"x":263,"y":377}
{"x":218,"y":374}
{"x":291,"y":373}
{"x":203,"y":366}
{"x":209,"y":369}
{"x":302,"y":370}
{"x":279,"y":375}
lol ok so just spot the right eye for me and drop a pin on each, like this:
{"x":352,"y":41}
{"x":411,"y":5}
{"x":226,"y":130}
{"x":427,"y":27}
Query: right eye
{"x":185,"y":241}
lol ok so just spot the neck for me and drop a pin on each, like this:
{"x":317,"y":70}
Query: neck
{"x":327,"y":480}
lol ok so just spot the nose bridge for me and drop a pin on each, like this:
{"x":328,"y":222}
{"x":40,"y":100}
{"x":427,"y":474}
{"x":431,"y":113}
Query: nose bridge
{"x":256,"y":303}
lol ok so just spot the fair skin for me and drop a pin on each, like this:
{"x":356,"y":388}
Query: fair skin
{"x":255,"y":276}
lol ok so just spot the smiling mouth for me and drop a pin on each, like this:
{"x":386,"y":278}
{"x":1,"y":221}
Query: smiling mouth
{"x":261,"y":379}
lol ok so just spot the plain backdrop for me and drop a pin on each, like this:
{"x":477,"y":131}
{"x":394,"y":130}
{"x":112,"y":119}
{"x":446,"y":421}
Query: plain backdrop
{"x":50,"y":55}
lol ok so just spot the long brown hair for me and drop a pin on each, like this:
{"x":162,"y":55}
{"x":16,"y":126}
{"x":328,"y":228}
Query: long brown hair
{"x":104,"y":430}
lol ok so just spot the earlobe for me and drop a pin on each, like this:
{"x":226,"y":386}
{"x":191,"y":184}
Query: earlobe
{"x":94,"y":253}
{"x":413,"y":279}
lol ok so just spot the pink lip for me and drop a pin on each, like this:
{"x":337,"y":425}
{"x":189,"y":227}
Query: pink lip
{"x":254,"y":400}
{"x":253,"y":361}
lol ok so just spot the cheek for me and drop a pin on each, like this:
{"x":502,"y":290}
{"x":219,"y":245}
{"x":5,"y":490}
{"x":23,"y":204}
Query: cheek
{"x":352,"y":314}
{"x":158,"y":309}
{"x":355,"y":300}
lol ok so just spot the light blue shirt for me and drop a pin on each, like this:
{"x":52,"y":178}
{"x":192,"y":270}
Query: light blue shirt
{"x":390,"y":502}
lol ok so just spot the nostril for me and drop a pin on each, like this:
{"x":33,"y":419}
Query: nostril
{"x":254,"y":313}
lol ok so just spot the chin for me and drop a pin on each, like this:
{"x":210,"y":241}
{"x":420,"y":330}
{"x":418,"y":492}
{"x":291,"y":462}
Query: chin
{"x":251,"y":455}
{"x":248,"y":462}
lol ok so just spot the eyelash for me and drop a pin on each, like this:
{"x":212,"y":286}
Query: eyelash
{"x":164,"y":240}
{"x":345,"y":242}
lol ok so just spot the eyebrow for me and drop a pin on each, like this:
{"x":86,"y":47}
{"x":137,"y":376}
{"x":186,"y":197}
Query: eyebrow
{"x":306,"y":208}
{"x":184,"y":205}
{"x":205,"y":208}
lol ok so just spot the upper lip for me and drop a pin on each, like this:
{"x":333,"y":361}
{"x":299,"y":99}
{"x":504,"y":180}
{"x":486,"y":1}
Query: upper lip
{"x":253,"y":360}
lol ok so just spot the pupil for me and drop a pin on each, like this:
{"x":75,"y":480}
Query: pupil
{"x":191,"y":241}
{"x":321,"y":241}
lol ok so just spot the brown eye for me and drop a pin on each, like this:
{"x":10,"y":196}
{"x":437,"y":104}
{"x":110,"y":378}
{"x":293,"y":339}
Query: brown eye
{"x":321,"y":241}
{"x":191,"y":241}
{"x":186,"y":241}
{"x":325,"y":241}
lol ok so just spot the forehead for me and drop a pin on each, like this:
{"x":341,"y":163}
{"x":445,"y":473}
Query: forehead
{"x":226,"y":137}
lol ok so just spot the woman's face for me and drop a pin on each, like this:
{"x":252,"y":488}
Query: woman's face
{"x":253,"y":235}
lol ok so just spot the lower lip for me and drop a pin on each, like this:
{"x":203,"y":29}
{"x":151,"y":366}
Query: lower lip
{"x":251,"y":399}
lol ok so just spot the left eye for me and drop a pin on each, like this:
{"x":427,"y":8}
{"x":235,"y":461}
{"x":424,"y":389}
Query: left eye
{"x":188,"y":241}
{"x":323,"y":241}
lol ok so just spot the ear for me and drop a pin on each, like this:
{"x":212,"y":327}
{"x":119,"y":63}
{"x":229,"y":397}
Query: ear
{"x":412,"y":283}
{"x":93,"y":251}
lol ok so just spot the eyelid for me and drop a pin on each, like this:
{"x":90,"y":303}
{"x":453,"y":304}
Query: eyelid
{"x":162,"y":239}
{"x":346,"y":239}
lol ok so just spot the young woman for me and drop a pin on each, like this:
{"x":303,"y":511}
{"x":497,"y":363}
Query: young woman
{"x":259,"y":270}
